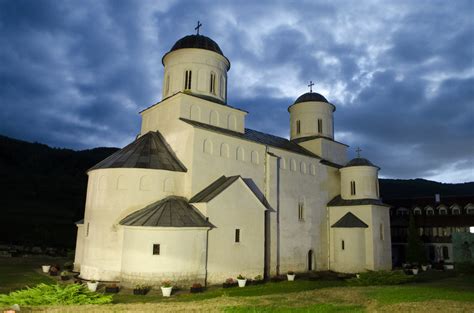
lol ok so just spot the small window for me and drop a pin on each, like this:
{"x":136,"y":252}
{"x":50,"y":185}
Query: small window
{"x":429,"y":211}
{"x":167,"y":85}
{"x":416,"y":211}
{"x":237,"y":235}
{"x":187,"y":79}
{"x":298,"y":127}
{"x":156,"y":249}
{"x":343,"y":245}
{"x":300,"y":211}
{"x":87,"y":230}
{"x":443,"y":211}
{"x":320,"y":126}
{"x":456,"y":211}
{"x":212,"y":84}
{"x":353,"y":188}
{"x":445,"y":252}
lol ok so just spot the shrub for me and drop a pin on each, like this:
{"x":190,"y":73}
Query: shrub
{"x":258,"y":277}
{"x":166,"y":284}
{"x":43,"y":294}
{"x":240,"y":277}
{"x":380,"y":278}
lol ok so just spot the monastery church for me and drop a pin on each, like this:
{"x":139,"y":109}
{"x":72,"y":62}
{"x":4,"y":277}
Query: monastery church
{"x":198,"y":198}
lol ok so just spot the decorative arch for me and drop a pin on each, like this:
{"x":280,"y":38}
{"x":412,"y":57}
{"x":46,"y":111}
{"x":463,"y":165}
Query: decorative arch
{"x":232,"y":122}
{"x":214,"y":118}
{"x":303,"y":167}
{"x":195,"y":112}
{"x":224,"y":150}
{"x":417,"y":211}
{"x":469,"y":209}
{"x":103,"y":182}
{"x":254,"y":158}
{"x":207,"y":146}
{"x":168,"y":185}
{"x":313,"y":169}
{"x":442,"y":210}
{"x":293,"y":165}
{"x":222,"y":86}
{"x":145,"y":183}
{"x":283,"y":163}
{"x":122,"y":183}
{"x":455,"y":209}
{"x":240,"y":154}
{"x":429,"y":210}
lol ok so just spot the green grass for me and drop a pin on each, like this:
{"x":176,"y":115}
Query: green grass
{"x":320,"y":308}
{"x":20,"y":275}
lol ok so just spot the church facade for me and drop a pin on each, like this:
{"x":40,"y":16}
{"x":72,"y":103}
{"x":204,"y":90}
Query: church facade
{"x":198,"y":197}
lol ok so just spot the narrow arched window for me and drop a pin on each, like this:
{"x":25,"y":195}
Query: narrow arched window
{"x":298,"y":127}
{"x":212,"y":84}
{"x":353,"y":188}
{"x":187,"y":79}
{"x":167,"y":85}
{"x":320,"y":126}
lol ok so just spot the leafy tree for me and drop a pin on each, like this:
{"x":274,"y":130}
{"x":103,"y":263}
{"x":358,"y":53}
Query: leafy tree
{"x":415,"y":250}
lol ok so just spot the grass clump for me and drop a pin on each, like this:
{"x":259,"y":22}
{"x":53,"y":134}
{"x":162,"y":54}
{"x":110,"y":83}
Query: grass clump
{"x":44,"y":294}
{"x":371,"y":278}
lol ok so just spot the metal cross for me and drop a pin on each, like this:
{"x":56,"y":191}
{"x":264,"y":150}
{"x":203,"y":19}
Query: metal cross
{"x":197,"y":27}
{"x":311,"y":84}
{"x":358,"y":150}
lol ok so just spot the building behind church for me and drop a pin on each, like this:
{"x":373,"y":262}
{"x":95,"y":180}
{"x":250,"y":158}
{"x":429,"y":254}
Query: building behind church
{"x":198,"y":197}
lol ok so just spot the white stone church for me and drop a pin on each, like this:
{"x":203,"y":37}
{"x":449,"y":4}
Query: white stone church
{"x":197,"y":197}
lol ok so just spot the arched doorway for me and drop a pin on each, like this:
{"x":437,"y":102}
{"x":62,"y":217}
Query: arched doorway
{"x":310,"y":260}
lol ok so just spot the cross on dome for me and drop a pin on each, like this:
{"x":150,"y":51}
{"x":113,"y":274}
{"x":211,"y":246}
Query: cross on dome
{"x":358,"y":150}
{"x":197,"y":27}
{"x":311,"y":84}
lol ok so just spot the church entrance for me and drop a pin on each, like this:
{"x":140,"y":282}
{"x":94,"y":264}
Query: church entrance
{"x":310,"y":260}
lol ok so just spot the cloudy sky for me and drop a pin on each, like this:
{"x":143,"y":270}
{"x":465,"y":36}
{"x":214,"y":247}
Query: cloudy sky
{"x":75,"y":74}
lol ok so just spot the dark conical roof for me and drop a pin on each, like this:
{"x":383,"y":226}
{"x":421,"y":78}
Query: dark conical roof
{"x":197,"y":41}
{"x":350,"y":221}
{"x":311,"y":96}
{"x":149,"y":151}
{"x":359,"y":162}
{"x":169,"y":212}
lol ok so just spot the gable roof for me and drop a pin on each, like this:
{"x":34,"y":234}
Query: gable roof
{"x":149,"y":151}
{"x":256,"y":136}
{"x":214,"y":189}
{"x":338,"y":201}
{"x":169,"y":212}
{"x":349,"y":221}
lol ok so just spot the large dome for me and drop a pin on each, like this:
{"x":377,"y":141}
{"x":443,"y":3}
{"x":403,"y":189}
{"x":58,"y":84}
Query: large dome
{"x":197,"y":41}
{"x":311,"y":96}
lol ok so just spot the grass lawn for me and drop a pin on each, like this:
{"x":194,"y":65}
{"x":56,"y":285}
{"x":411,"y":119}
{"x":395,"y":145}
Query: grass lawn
{"x":433,"y":292}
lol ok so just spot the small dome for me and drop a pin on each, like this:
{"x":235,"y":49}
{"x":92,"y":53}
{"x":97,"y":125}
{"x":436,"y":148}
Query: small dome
{"x":311,"y":96}
{"x":197,"y":41}
{"x":359,"y":162}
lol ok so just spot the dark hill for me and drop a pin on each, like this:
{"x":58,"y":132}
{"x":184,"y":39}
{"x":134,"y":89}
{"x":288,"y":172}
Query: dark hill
{"x":43,"y":190}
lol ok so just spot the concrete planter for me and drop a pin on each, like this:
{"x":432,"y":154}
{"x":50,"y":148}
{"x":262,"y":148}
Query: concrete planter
{"x":424,"y":268}
{"x":166,"y":291}
{"x":92,"y":286}
{"x":242,"y":282}
{"x":414,"y":271}
{"x":45,"y":268}
{"x":290,"y":277}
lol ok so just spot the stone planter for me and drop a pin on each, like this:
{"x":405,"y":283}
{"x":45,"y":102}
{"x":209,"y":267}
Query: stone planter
{"x":424,"y":268}
{"x":242,"y":282}
{"x":414,"y":271}
{"x":92,"y":286}
{"x":166,"y":291}
{"x":290,"y":277}
{"x":46,"y":268}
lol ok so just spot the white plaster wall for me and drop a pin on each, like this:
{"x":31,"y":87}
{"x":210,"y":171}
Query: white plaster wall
{"x":182,"y":256}
{"x":351,"y":259}
{"x":235,"y":208}
{"x":202,"y":63}
{"x":327,"y":149}
{"x":113,"y":194}
{"x":366,"y":180}
{"x":308,"y":114}
{"x":79,"y":247}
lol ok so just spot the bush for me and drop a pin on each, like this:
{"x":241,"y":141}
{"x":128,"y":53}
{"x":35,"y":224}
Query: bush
{"x":43,"y":294}
{"x":380,"y":278}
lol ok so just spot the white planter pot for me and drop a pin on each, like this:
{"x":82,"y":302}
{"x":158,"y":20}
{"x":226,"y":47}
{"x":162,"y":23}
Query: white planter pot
{"x":448,"y":267}
{"x":424,"y":268}
{"x":45,"y":268}
{"x":166,"y":291}
{"x":92,"y":286}
{"x":291,"y":277}
{"x":414,"y":271}
{"x":242,"y":282}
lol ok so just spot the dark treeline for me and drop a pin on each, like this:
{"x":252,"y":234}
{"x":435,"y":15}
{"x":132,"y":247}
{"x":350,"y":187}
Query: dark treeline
{"x":43,"y":190}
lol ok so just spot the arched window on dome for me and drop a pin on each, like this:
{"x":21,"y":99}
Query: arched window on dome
{"x":320,"y":126}
{"x":187,"y":79}
{"x":167,"y":84}
{"x":212,"y":83}
{"x":222,"y":87}
{"x":353,"y":188}
{"x":298,"y":127}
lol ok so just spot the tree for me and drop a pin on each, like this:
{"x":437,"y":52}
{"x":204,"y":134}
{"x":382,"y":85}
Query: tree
{"x":415,"y":250}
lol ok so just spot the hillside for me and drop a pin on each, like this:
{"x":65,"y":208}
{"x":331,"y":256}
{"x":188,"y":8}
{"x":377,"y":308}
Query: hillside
{"x":43,"y":189}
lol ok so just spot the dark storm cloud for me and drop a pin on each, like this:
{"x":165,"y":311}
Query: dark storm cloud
{"x":401,"y":74}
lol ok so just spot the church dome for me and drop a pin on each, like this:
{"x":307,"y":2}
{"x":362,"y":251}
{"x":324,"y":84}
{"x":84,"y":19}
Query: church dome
{"x":198,"y":42}
{"x":311,"y":96}
{"x":359,"y":162}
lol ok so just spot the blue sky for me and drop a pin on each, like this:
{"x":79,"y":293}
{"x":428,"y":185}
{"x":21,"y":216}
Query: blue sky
{"x":75,"y":74}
